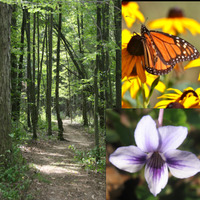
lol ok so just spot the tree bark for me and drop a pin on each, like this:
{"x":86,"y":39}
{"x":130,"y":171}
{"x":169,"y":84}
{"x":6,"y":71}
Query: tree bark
{"x":14,"y":67}
{"x":33,"y":104}
{"x":5,"y":98}
{"x":96,"y":127}
{"x":117,"y":18}
{"x":49,"y":76}
{"x":60,"y":124}
{"x":29,"y":75}
{"x":21,"y":74}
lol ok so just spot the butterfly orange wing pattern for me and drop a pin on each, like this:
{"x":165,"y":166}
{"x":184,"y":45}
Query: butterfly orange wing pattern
{"x":162,"y":51}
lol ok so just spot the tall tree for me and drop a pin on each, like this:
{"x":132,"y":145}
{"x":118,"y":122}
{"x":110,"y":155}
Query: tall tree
{"x":14,"y":66}
{"x":32,"y":94}
{"x":49,"y":74}
{"x":29,"y":75}
{"x":5,"y":99}
{"x":20,"y":74}
{"x":96,"y":81}
{"x":60,"y":124}
{"x":81,"y":43}
{"x":117,"y":16}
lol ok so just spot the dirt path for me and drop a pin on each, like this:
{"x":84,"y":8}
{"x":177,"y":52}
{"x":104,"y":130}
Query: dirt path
{"x":56,"y":175}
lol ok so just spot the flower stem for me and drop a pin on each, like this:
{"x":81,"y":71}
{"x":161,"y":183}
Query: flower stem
{"x":160,"y":117}
{"x":143,"y":95}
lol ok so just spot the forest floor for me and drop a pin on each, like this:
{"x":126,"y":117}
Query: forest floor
{"x":56,"y":175}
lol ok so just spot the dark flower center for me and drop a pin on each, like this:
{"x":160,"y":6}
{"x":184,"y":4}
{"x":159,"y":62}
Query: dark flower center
{"x":175,"y":105}
{"x":124,"y":3}
{"x":135,"y":46}
{"x":156,"y":161}
{"x":175,"y":12}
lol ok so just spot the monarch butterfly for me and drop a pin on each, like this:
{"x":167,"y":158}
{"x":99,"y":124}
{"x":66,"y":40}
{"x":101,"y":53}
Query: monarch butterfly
{"x":162,"y":51}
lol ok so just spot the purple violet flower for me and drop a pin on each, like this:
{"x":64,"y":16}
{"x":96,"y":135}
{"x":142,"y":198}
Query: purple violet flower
{"x":156,"y":147}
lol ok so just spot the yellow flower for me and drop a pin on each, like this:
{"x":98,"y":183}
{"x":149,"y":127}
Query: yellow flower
{"x":133,"y":56}
{"x":189,"y":98}
{"x":176,"y":23}
{"x":133,"y":84}
{"x":126,"y":37}
{"x":193,"y":63}
{"x":130,"y":11}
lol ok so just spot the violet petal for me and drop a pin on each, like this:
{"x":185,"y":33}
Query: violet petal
{"x":146,"y":134}
{"x":182,"y":164}
{"x":171,"y":137}
{"x":130,"y":158}
{"x":156,"y":178}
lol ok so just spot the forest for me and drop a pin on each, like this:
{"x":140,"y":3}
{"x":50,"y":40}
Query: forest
{"x":60,"y":68}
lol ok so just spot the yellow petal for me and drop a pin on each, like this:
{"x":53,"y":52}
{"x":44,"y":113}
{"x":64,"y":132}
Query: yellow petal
{"x":126,"y":36}
{"x":198,"y":92}
{"x":193,"y":63}
{"x":171,"y":96}
{"x":189,"y":102}
{"x":188,"y":88}
{"x":128,"y":65}
{"x":130,"y":12}
{"x":146,"y":90}
{"x":125,"y":104}
{"x":135,"y":88}
{"x":160,"y":86}
{"x":125,"y":86}
{"x":192,"y":25}
{"x":140,"y":16}
{"x":163,"y":103}
{"x":178,"y":25}
{"x":158,"y":23}
{"x":140,"y":70}
{"x":175,"y":90}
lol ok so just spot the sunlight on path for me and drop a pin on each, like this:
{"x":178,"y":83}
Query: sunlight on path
{"x":49,"y":169}
{"x":57,"y":175}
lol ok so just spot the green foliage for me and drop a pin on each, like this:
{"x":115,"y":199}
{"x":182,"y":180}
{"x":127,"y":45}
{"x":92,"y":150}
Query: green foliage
{"x":13,"y":178}
{"x":88,"y":158}
{"x":41,"y":178}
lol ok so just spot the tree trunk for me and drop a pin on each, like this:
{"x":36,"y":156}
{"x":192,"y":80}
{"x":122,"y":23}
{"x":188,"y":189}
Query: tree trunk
{"x":14,"y":66}
{"x":21,"y":74}
{"x":49,"y":76}
{"x":40,"y":65}
{"x":29,"y":75}
{"x":60,"y":124}
{"x":96,"y":86}
{"x":33,"y":105}
{"x":81,"y":41}
{"x":117,"y":16}
{"x":108,"y":97}
{"x":5,"y":99}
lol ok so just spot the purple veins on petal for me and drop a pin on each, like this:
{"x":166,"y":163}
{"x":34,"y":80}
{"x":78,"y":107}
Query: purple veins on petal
{"x":156,"y":161}
{"x":156,"y":178}
{"x":136,"y":160}
{"x":130,"y":159}
{"x":182,"y":164}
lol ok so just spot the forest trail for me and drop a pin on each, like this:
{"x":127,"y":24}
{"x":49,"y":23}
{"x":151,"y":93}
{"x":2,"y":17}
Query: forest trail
{"x":56,"y":175}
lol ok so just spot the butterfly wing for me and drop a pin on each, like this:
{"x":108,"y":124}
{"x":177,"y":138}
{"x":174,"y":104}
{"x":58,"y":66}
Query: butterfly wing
{"x":172,"y":49}
{"x":162,"y":51}
{"x":153,"y":62}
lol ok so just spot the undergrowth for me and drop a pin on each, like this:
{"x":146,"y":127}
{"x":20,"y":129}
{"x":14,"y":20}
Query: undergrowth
{"x":14,"y":180}
{"x":88,"y":158}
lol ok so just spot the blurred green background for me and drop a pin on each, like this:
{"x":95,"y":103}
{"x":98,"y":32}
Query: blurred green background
{"x":120,"y":132}
{"x":159,"y":9}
